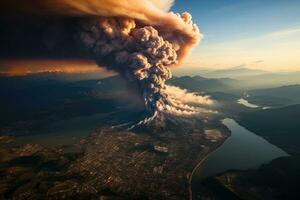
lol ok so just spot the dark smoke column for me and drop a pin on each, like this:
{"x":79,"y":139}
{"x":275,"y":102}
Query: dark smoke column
{"x":139,"y":39}
{"x":138,"y":52}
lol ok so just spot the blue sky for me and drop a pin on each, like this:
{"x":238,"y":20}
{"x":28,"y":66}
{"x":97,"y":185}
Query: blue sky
{"x":231,"y":23}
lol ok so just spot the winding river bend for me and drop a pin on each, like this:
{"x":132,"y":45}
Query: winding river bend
{"x":242,"y":150}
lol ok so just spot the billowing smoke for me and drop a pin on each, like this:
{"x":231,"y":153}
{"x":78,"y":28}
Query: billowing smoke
{"x":138,"y":52}
{"x":138,"y":39}
{"x":142,"y":51}
{"x":184,"y":103}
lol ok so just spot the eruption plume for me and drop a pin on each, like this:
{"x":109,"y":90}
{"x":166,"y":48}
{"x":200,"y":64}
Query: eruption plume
{"x":142,"y":48}
{"x":138,"y":39}
{"x":138,"y":52}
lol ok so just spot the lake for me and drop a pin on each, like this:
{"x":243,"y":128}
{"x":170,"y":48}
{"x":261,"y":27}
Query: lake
{"x":242,"y":150}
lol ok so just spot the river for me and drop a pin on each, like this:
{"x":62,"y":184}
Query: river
{"x":242,"y":150}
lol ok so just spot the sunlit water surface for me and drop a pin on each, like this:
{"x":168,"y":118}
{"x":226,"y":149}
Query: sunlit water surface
{"x":242,"y":150}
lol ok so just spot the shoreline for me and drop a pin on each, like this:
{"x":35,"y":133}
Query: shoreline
{"x":194,"y":170}
{"x":199,"y":165}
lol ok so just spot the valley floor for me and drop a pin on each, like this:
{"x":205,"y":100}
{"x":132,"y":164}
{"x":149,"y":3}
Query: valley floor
{"x":111,"y":164}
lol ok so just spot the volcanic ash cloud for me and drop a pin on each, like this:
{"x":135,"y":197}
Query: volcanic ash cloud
{"x":138,"y":39}
{"x":142,"y":48}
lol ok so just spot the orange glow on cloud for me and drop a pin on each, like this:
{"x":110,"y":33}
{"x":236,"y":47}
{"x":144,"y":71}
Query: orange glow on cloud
{"x":21,"y":67}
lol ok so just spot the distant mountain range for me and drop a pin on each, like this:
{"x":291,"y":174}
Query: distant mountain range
{"x":235,"y":72}
{"x":201,"y":84}
{"x":280,"y":96}
{"x":57,"y":76}
{"x":193,"y":83}
{"x":272,"y":79}
{"x":250,"y":78}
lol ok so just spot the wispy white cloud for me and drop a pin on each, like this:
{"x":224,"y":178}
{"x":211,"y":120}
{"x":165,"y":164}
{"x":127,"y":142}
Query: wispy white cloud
{"x":284,"y":33}
{"x":183,"y":103}
{"x":275,"y":50}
